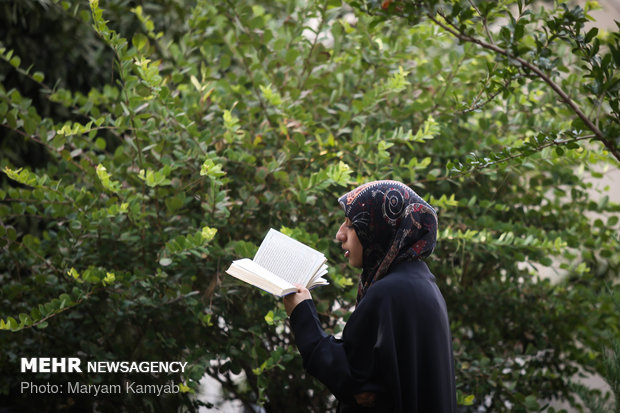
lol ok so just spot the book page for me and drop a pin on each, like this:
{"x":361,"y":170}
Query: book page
{"x":317,"y":282}
{"x":319,"y":275}
{"x":288,"y":258}
{"x":252,"y":273}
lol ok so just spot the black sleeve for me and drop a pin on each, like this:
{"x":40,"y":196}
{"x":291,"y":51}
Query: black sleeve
{"x":324,"y":356}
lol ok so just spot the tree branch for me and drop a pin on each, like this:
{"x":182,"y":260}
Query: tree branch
{"x":484,"y":21}
{"x":305,"y":74}
{"x":522,"y":154}
{"x":611,"y":147}
{"x":244,"y":61}
{"x":477,"y":104}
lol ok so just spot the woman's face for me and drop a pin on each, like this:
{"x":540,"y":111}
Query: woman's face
{"x":350,"y":243}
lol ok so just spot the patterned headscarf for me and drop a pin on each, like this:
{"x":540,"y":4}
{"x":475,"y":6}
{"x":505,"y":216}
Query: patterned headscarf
{"x":393,"y":225}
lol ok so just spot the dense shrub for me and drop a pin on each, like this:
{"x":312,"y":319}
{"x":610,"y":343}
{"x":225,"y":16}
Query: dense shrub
{"x":223,"y":119}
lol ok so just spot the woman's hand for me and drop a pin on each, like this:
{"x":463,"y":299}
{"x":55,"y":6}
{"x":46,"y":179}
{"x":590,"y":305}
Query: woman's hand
{"x":366,"y":399}
{"x":291,"y":300}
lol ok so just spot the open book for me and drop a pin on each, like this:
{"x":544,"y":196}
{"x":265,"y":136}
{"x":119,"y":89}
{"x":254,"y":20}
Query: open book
{"x":279,"y":263}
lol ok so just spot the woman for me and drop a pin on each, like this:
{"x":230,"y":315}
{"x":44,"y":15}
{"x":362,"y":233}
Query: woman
{"x":396,"y":352}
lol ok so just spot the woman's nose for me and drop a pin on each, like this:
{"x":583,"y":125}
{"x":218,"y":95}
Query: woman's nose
{"x":341,"y":234}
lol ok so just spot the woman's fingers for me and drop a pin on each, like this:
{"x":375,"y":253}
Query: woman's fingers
{"x":366,"y":399}
{"x":292,"y":300}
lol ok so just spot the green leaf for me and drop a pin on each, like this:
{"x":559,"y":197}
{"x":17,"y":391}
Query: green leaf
{"x":211,"y":169}
{"x":12,"y":324}
{"x":109,"y":278}
{"x":139,"y":41}
{"x":100,"y":143}
{"x":30,"y":125}
{"x":24,"y":319}
{"x":531,"y":403}
{"x":11,"y":233}
{"x":104,"y":178}
{"x":38,"y":77}
{"x":269,"y":318}
{"x":208,"y":234}
{"x":154,"y":178}
{"x":591,"y":35}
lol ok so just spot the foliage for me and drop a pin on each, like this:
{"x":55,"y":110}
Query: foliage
{"x":223,"y":119}
{"x":527,"y":45}
{"x":593,"y":399}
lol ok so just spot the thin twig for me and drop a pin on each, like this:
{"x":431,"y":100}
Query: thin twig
{"x":484,"y":21}
{"x":246,"y":65}
{"x":54,"y":314}
{"x":52,"y":149}
{"x":305,"y":74}
{"x":477,"y":105}
{"x":447,"y":82}
{"x":554,"y":142}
